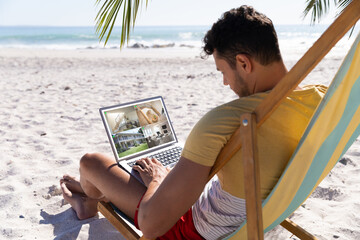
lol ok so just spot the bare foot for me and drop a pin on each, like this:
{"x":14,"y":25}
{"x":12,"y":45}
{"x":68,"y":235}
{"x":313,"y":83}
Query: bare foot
{"x":84,"y":206}
{"x":72,"y":184}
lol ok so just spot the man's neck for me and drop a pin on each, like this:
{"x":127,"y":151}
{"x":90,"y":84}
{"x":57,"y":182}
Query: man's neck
{"x":268,"y":76}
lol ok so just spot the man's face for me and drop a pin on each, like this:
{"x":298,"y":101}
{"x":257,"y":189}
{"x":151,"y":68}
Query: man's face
{"x":231,"y":77}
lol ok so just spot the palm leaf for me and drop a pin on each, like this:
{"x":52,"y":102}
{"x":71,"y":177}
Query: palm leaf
{"x":111,"y":19}
{"x":135,"y":10}
{"x":107,"y":15}
{"x":101,"y":16}
{"x":318,"y":8}
{"x":342,"y":4}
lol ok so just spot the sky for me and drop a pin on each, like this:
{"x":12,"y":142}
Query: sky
{"x":158,"y":12}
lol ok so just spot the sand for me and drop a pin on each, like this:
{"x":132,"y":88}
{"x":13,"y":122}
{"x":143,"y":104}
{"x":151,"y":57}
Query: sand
{"x":49,"y":119}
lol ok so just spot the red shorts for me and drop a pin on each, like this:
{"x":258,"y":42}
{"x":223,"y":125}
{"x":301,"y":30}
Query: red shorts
{"x":183,"y":229}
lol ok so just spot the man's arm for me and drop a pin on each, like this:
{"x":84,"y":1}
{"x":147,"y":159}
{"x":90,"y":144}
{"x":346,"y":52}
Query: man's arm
{"x":167,"y":200}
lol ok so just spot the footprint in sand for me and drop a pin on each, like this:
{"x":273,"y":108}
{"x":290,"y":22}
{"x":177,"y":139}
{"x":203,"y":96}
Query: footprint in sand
{"x":326,"y":193}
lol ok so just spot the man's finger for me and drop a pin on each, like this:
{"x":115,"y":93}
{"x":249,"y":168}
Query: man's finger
{"x":154,"y":160}
{"x":138,"y":168}
{"x":142,"y":162}
{"x":147,"y":160}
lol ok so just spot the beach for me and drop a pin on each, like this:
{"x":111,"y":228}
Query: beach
{"x":50,"y":119}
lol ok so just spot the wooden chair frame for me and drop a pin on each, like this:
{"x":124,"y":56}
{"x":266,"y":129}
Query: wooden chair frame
{"x":250,"y":122}
{"x":245,"y":136}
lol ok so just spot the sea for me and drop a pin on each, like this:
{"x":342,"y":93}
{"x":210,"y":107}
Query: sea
{"x":144,"y":37}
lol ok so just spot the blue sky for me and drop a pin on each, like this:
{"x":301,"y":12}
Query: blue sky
{"x":159,"y":12}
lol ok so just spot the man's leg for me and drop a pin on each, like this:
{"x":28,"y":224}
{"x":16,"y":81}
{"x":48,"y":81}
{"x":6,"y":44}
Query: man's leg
{"x":102,"y":179}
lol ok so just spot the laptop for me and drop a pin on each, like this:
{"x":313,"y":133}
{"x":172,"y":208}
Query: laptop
{"x":141,"y":129}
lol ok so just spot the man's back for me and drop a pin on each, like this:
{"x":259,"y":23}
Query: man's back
{"x":277,"y":138}
{"x":221,"y":207}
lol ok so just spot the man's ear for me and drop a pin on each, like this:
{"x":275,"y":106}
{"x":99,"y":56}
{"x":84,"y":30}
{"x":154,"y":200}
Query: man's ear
{"x":243,"y":63}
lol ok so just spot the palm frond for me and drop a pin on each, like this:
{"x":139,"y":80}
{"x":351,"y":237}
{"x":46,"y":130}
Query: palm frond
{"x":135,"y":10}
{"x":317,"y":8}
{"x":342,"y":4}
{"x":107,"y":15}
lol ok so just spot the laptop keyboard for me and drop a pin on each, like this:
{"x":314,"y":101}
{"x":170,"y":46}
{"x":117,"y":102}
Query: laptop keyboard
{"x":167,"y":157}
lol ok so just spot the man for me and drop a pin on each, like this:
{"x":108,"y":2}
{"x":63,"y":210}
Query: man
{"x":179,"y":203}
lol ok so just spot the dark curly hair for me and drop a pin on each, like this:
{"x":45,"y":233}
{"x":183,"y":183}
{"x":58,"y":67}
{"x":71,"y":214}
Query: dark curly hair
{"x":243,"y":31}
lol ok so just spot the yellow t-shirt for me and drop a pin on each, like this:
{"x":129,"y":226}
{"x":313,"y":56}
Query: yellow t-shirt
{"x":277,"y":137}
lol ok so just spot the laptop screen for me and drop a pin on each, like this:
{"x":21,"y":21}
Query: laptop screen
{"x":138,"y":127}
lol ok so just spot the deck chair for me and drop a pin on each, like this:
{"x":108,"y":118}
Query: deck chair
{"x":331,"y":131}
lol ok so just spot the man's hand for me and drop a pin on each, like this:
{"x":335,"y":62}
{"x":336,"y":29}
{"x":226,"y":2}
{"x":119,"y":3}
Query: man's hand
{"x":151,"y":170}
{"x":164,"y":204}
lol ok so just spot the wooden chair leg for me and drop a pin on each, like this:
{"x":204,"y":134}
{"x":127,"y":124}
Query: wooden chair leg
{"x":252,"y":177}
{"x":297,"y":230}
{"x":118,"y":222}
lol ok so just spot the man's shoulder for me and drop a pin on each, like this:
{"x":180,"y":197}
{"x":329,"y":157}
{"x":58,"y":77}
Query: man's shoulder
{"x":237,"y":106}
{"x":215,"y":128}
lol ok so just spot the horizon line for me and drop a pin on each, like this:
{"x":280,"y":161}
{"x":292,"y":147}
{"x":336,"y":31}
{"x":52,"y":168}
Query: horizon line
{"x":177,"y":25}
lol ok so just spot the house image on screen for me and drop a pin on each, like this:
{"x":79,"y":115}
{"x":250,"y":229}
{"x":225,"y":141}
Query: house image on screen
{"x":127,"y":140}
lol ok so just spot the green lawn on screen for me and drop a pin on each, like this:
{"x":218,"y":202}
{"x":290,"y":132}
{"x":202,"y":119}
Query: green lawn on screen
{"x":132,"y":150}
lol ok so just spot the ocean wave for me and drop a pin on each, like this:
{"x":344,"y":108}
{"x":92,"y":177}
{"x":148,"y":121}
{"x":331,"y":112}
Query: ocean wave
{"x":164,"y":45}
{"x":186,"y":35}
{"x":292,"y":36}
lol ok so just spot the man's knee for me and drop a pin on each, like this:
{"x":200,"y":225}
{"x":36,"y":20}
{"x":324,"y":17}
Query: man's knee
{"x":91,"y":161}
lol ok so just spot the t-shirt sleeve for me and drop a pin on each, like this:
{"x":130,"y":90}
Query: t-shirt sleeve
{"x":214,"y":130}
{"x":205,"y":141}
{"x":210,"y":135}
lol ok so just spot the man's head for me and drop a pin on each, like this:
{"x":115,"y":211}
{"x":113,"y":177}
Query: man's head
{"x":246,"y":51}
{"x":243,"y":31}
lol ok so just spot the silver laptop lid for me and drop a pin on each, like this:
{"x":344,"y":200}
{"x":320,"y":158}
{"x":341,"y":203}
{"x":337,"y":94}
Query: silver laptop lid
{"x":137,"y":128}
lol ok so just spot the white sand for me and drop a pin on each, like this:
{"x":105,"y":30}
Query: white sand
{"x":49,"y":119}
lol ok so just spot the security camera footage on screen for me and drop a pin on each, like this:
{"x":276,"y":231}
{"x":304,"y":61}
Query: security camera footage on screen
{"x":139,"y":127}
